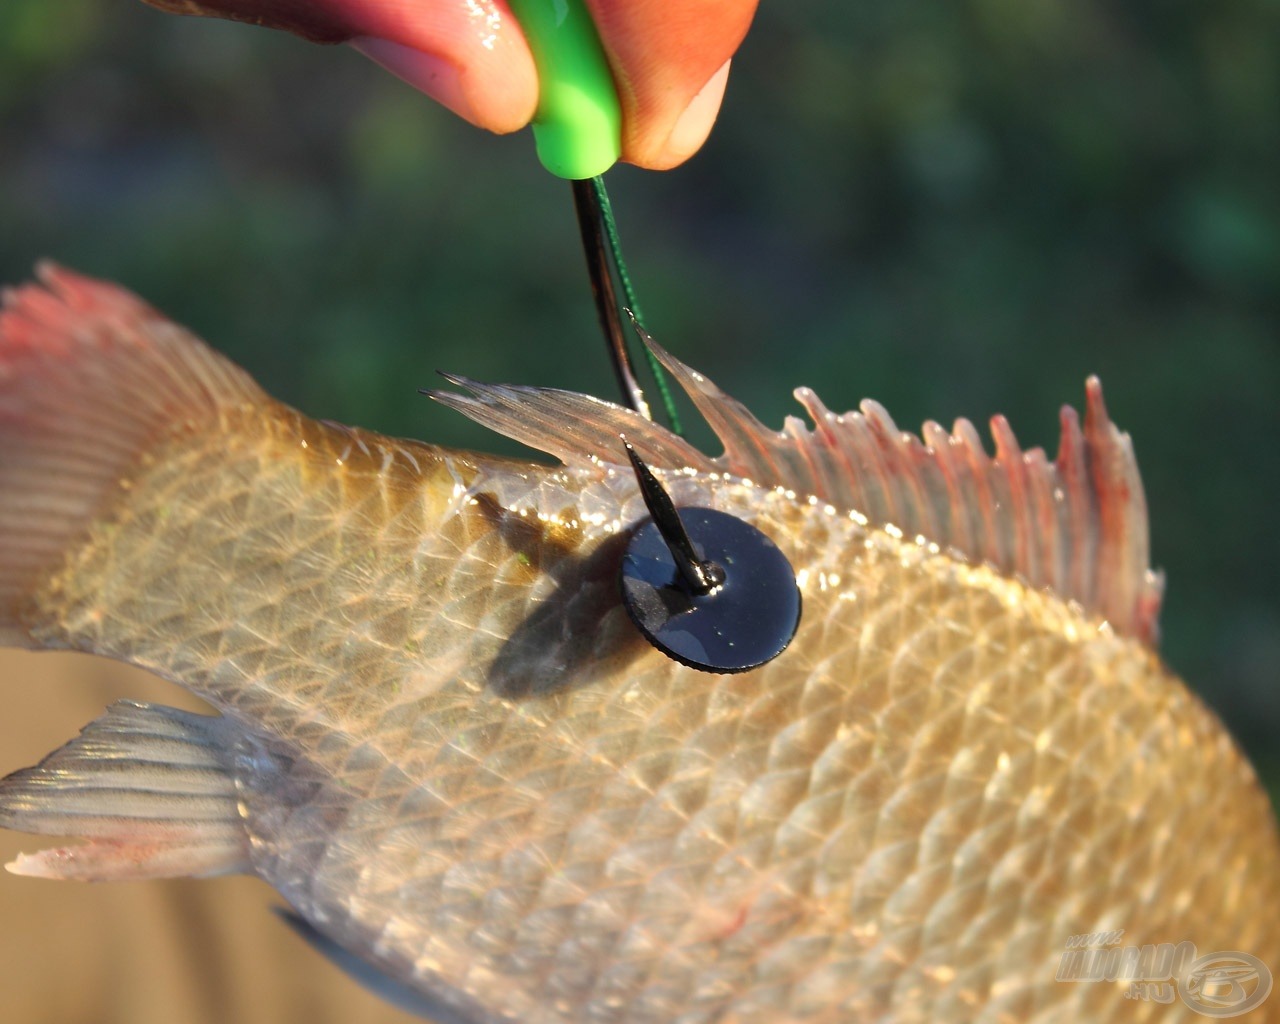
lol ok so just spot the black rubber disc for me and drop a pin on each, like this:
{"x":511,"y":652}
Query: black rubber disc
{"x":749,"y":619}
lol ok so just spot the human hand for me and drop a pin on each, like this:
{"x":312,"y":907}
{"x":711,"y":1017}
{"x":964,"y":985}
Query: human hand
{"x":670,"y":61}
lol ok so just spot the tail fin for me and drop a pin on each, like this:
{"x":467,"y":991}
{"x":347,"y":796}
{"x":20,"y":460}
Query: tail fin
{"x":151,"y":790}
{"x":90,"y":378}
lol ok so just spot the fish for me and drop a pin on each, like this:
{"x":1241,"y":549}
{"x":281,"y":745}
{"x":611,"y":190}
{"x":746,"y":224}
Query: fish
{"x":441,"y":739}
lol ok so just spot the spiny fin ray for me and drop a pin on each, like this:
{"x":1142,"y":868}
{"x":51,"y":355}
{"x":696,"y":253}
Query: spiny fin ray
{"x":577,"y":429}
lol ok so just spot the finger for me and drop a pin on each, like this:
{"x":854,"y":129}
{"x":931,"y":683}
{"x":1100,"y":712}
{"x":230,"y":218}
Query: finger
{"x":469,"y":55}
{"x":671,"y":63}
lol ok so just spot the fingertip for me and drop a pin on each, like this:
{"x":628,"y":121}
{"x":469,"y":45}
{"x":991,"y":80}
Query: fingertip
{"x":670,"y":64}
{"x":428,"y":73}
{"x":668,"y":146}
{"x":488,"y":78}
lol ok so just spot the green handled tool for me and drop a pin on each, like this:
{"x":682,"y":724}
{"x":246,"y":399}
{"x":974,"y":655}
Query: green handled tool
{"x":578,"y":126}
{"x":578,"y":133}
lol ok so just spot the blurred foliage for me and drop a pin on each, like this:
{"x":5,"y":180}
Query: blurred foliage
{"x":957,"y":206}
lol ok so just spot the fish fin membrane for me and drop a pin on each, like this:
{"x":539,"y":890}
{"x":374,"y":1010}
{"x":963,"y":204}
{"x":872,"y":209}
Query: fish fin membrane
{"x":149,"y":788}
{"x":579,"y":430}
{"x":1076,"y":525}
{"x":90,"y":377}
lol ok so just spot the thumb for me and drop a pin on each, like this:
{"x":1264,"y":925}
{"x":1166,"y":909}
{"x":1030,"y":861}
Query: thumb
{"x":671,"y":63}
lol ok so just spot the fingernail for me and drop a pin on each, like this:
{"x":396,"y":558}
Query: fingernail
{"x":426,"y":72}
{"x":693,"y":126}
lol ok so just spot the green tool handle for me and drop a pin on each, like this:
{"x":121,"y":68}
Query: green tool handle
{"x":578,"y":126}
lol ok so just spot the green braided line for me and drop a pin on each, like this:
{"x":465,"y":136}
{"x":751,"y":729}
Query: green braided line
{"x":615,"y":246}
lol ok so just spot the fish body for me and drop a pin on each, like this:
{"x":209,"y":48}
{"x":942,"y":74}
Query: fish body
{"x":442,"y":740}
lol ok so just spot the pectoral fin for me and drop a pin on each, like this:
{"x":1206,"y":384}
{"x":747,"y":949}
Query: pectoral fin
{"x":149,"y":789}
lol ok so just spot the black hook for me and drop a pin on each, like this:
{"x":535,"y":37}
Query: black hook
{"x":586,"y":202}
{"x":700,"y":577}
{"x":705,"y":587}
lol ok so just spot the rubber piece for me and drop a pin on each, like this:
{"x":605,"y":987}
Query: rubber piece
{"x":578,"y":126}
{"x":747,"y":619}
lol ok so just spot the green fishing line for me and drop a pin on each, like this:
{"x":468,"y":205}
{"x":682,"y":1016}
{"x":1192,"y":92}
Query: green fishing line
{"x":578,"y":125}
{"x":620,"y":265}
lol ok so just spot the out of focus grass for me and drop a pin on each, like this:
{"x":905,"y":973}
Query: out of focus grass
{"x":956,"y":207}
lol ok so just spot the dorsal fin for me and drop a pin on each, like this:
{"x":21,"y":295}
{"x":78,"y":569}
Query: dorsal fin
{"x":577,"y":429}
{"x":1076,"y":525}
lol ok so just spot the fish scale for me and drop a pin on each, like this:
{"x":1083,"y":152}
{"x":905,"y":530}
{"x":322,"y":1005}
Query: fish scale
{"x":455,"y":756}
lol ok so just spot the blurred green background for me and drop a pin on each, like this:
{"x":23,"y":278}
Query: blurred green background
{"x":955,"y":206}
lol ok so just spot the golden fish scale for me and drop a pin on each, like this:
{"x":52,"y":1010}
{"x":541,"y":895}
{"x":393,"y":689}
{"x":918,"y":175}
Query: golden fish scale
{"x":465,"y":762}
